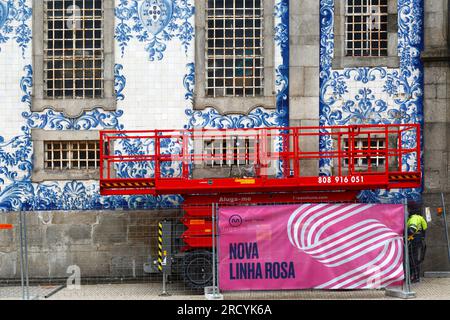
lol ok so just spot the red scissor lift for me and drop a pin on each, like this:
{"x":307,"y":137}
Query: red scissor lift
{"x":263,"y":165}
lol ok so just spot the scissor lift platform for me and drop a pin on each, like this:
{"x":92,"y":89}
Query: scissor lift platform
{"x":261,"y":160}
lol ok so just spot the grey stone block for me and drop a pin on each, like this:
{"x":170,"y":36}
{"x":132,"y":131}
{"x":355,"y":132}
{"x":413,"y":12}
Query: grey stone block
{"x":309,"y":24}
{"x":435,"y":6}
{"x":442,"y":91}
{"x":304,"y":108}
{"x":36,"y":236}
{"x":123,"y":266}
{"x":435,"y":75}
{"x":7,"y":238}
{"x":10,"y":267}
{"x":294,"y":25}
{"x":310,"y":7}
{"x":142,"y":234}
{"x":435,"y":136}
{"x":311,"y":82}
{"x":432,"y":180}
{"x":435,"y":110}
{"x":430,"y":91}
{"x":56,"y":235}
{"x":79,"y":234}
{"x":39,"y":264}
{"x":296,"y":81}
{"x":111,"y":229}
{"x":309,"y":54}
{"x":434,"y":160}
{"x":309,"y":39}
{"x":91,"y":263}
{"x":74,"y":217}
{"x":436,"y":259}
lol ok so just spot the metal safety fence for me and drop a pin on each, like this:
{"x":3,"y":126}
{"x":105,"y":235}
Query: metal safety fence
{"x":92,"y":254}
{"x":392,"y":276}
{"x":137,"y":254}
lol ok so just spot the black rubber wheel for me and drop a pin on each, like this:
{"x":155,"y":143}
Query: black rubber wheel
{"x":197,"y":269}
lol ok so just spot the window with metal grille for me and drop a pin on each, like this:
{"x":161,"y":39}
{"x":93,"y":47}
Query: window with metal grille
{"x":374,"y":160}
{"x":71,"y":155}
{"x":232,"y":151}
{"x":234,"y":40}
{"x":366,"y":28}
{"x":73,"y":49}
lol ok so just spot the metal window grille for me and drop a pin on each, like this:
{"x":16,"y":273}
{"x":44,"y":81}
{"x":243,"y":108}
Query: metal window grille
{"x":376,"y":144}
{"x":366,"y":23}
{"x":232,"y":151}
{"x":72,"y":155}
{"x":235,"y":61}
{"x":73,"y":49}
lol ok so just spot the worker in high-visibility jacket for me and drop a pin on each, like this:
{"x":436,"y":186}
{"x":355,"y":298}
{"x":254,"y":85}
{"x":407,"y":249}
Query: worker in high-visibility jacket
{"x":417,"y":226}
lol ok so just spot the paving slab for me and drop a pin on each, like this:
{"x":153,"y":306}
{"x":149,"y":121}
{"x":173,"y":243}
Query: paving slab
{"x":428,"y":288}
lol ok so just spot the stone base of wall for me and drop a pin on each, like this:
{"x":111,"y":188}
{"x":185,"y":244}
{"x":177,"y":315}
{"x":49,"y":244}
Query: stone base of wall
{"x":436,"y":258}
{"x":113,"y":245}
{"x":102,"y":244}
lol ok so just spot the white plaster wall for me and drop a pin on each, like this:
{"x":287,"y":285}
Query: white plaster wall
{"x":154,"y":93}
{"x":12,"y":63}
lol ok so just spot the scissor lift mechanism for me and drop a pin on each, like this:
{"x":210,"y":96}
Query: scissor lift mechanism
{"x":282,"y":166}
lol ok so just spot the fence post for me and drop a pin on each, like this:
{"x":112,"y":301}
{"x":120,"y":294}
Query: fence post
{"x":445,"y":224}
{"x":162,"y":265}
{"x":407,"y":285}
{"x":23,"y":257}
{"x":405,"y":292}
{"x":22,"y":280}
{"x":217,"y":249}
{"x":212,"y":293}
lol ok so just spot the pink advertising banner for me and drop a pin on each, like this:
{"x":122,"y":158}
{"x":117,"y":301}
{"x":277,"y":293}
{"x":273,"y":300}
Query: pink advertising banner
{"x":321,"y":246}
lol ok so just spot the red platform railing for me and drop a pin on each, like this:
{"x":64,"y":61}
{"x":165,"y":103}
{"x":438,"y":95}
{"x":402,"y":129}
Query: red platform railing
{"x":212,"y":161}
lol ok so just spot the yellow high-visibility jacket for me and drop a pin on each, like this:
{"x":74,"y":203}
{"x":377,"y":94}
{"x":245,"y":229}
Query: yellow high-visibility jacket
{"x":417,"y":222}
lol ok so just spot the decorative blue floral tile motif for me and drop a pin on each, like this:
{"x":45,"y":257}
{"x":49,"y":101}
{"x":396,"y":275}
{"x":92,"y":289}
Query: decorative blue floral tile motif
{"x":52,"y":120}
{"x":211,"y":118}
{"x":281,"y":39}
{"x":119,"y":82}
{"x":155,"y":15}
{"x":145,"y":146}
{"x":397,"y":101}
{"x":259,"y":117}
{"x":15,"y":18}
{"x":154,"y":22}
{"x":17,"y":192}
{"x":4,"y":12}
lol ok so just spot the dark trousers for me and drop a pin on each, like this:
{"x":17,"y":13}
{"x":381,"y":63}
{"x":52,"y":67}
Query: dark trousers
{"x":417,"y":249}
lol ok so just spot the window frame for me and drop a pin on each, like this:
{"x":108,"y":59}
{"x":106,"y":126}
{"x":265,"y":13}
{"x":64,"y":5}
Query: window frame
{"x":227,"y":104}
{"x":74,"y":155}
{"x":73,"y":107}
{"x":360,"y":147}
{"x":39,"y":138}
{"x":229,"y":148}
{"x":341,"y":60}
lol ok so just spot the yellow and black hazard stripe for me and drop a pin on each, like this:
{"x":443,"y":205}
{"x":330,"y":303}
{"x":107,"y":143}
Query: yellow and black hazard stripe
{"x":405,"y":177}
{"x":128,"y":184}
{"x":160,"y":246}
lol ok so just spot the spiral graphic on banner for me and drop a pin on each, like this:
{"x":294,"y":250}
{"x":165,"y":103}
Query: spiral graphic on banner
{"x":331,"y":235}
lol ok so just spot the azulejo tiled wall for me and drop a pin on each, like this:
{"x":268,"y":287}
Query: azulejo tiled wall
{"x":155,"y":56}
{"x":375,"y":95}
